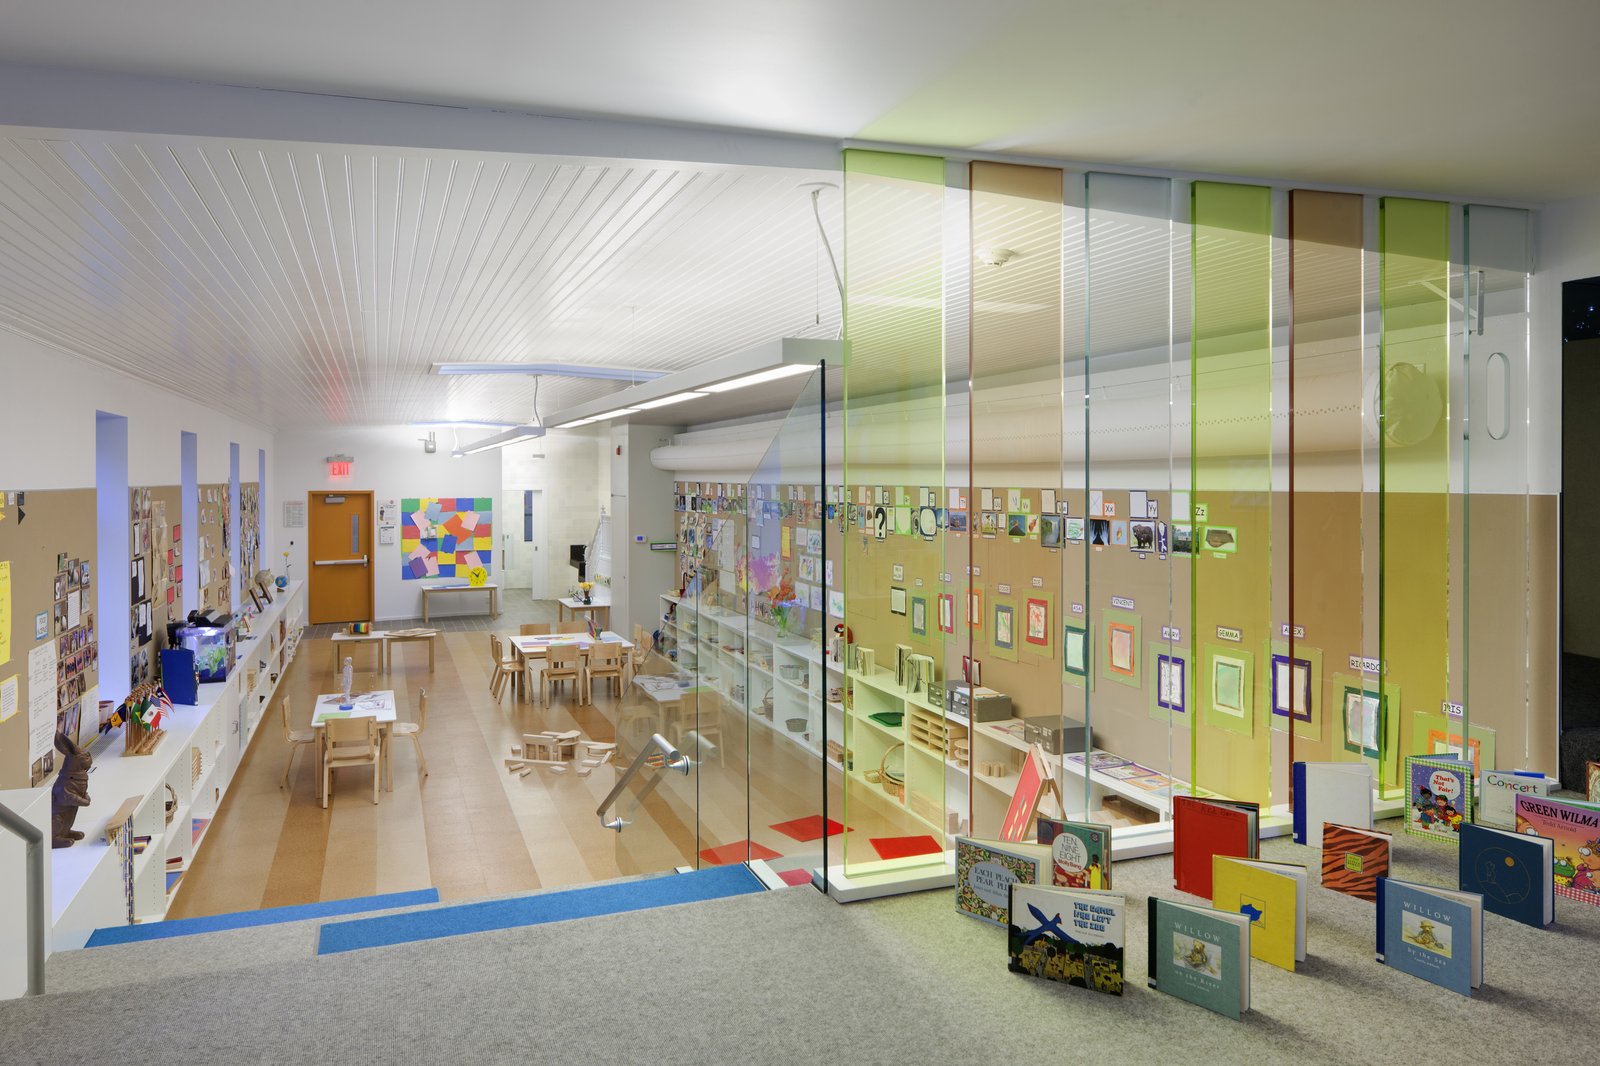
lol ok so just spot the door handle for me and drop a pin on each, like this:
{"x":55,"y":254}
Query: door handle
{"x":342,"y":562}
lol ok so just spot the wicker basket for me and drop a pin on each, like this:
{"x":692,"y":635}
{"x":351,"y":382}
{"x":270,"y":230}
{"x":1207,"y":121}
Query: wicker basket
{"x":894,"y":784}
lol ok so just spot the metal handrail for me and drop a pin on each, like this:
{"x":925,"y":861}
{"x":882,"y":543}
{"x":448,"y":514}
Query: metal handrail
{"x":673,"y":759}
{"x":34,"y":841}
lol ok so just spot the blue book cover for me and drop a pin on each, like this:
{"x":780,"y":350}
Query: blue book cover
{"x":1513,"y":873}
{"x":1431,"y":933}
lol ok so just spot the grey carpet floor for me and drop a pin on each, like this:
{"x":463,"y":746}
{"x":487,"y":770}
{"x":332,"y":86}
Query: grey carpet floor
{"x":790,"y":976}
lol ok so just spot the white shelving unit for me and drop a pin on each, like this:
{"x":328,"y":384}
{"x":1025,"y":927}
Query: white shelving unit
{"x":196,"y":761}
{"x":744,"y":661}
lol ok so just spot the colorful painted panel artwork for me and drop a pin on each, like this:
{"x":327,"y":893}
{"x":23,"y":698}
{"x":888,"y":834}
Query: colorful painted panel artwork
{"x":445,"y":537}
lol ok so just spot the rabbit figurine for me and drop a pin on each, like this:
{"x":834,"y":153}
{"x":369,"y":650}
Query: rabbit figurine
{"x":70,"y":792}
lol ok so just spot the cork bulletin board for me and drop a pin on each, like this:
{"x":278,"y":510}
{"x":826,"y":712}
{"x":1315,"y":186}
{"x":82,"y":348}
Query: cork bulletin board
{"x":213,"y":555}
{"x":50,"y":676}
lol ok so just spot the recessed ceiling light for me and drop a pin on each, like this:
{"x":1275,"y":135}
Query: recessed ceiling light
{"x":760,"y":378}
{"x":650,"y":405}
{"x":557,"y":370}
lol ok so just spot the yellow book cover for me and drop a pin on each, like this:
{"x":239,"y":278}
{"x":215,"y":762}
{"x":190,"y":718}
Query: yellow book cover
{"x":1273,"y":896}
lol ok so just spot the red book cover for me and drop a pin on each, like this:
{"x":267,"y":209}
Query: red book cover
{"x":1204,"y":828}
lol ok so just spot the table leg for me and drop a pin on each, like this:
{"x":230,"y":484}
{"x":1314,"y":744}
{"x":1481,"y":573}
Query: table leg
{"x":383,"y":757}
{"x":430,"y":654}
{"x":494,"y":602}
{"x":424,"y":604}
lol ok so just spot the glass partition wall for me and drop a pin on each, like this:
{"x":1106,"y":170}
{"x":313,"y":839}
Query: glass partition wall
{"x":1217,"y":477}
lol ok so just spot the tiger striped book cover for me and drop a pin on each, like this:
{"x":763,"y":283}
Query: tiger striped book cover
{"x":1353,"y":860}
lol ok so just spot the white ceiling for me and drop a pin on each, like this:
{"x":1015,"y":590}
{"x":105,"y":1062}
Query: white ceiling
{"x":1466,"y":98}
{"x":309,"y":284}
{"x":299,"y":283}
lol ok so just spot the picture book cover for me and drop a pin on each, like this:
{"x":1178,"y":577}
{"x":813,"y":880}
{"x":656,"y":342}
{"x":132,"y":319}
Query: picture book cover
{"x":1353,"y":859}
{"x":1497,"y":798}
{"x":1513,"y":872}
{"x":1330,"y":792}
{"x":1203,"y":828}
{"x":1070,"y":935}
{"x":1200,"y":955}
{"x":1431,"y":933}
{"x":1438,"y":797}
{"x":1273,"y":896}
{"x":1574,"y":829}
{"x":1080,"y":853}
{"x":985,"y":871}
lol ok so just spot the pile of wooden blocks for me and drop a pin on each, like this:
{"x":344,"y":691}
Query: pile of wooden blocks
{"x":555,"y":750}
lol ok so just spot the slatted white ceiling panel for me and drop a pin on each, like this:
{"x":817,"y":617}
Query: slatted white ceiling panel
{"x":305,"y":284}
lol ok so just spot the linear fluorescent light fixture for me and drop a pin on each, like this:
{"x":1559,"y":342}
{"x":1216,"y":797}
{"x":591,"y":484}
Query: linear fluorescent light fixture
{"x":514,"y":435}
{"x":462,"y":423}
{"x":651,"y":405}
{"x":761,"y":377}
{"x":559,"y":370}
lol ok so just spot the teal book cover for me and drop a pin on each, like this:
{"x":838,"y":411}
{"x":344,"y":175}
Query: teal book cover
{"x":1200,"y":955}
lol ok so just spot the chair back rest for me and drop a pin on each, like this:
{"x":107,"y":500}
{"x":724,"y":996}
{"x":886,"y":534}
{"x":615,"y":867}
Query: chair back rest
{"x":638,"y":635}
{"x":349,"y":736}
{"x":603,"y":653}
{"x":573,"y":627}
{"x":283,"y":705}
{"x":563,"y":656}
{"x":535,"y":629}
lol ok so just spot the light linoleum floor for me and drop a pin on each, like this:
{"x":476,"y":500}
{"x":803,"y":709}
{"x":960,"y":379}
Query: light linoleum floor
{"x":471,"y":828}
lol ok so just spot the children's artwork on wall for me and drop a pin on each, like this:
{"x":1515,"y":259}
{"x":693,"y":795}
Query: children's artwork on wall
{"x":1074,"y":530}
{"x":1050,"y":529}
{"x":835,"y":603}
{"x":1075,"y":651}
{"x":1363,"y":721}
{"x":1142,"y":536}
{"x":975,"y":608}
{"x":1291,"y":688}
{"x":919,"y":615}
{"x":1120,"y":649}
{"x":1038,"y":621}
{"x":1119,"y":534}
{"x":1097,"y":503}
{"x":1171,"y":675}
{"x":1222,"y":540}
{"x":957,"y":521}
{"x":1099,"y":532}
{"x":1004,"y":635}
{"x":1182,"y":539}
{"x":989,"y":523}
{"x":445,"y":537}
{"x":1016,"y":525}
{"x":947,"y":612}
{"x":1230,"y":689}
{"x":897,"y":600}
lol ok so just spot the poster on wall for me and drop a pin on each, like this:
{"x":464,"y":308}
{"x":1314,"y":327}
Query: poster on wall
{"x":41,"y":711}
{"x":445,"y":536}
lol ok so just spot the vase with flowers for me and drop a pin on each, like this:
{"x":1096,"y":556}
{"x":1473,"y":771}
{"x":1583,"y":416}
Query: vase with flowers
{"x":782,"y":606}
{"x":586,"y":591}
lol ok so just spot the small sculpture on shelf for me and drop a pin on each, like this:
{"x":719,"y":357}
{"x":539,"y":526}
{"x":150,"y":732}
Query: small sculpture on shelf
{"x":70,"y":792}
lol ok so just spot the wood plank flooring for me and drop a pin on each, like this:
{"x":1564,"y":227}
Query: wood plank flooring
{"x":471,"y":829}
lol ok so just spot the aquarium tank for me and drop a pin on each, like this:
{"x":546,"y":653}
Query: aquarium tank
{"x":213,"y":648}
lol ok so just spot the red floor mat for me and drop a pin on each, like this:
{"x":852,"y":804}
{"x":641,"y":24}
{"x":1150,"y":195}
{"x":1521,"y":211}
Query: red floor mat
{"x":728,"y":854}
{"x":901,"y":847}
{"x":795,"y":878}
{"x":808,"y":828}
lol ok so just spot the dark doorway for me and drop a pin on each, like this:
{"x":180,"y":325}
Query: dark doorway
{"x":1580,"y":528}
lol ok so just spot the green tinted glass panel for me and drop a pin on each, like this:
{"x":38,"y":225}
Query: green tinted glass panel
{"x":1413,"y":469}
{"x":894,"y":478}
{"x":1231,"y":473}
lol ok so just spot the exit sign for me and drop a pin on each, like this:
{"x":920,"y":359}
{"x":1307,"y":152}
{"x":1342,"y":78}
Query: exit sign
{"x":341,"y":466}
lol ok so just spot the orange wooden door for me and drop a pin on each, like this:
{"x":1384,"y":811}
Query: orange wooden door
{"x":339,"y":548}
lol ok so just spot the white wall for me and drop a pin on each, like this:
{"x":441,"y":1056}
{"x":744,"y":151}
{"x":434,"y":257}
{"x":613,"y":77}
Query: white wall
{"x":573,"y":481}
{"x":47,"y":434}
{"x":390,"y":463}
{"x":641,"y":507}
